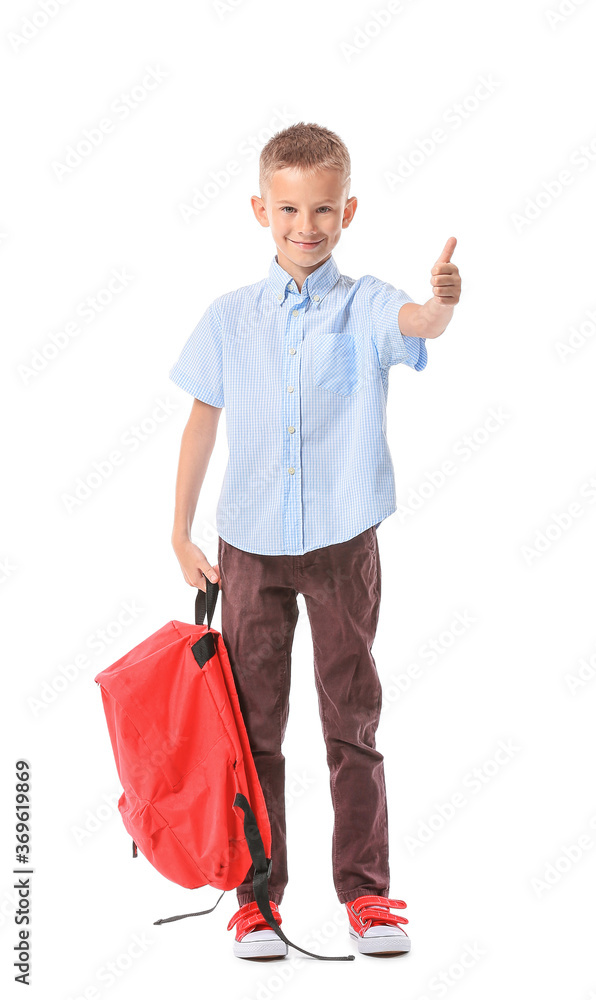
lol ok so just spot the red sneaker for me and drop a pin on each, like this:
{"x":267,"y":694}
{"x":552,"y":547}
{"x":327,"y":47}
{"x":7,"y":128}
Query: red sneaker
{"x":254,"y":937}
{"x":376,"y":930}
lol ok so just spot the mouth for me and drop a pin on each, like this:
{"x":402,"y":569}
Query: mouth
{"x":306,"y":246}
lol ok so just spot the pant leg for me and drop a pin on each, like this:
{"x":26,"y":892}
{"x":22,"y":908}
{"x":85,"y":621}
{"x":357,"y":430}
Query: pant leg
{"x":342,"y":589}
{"x":259,"y":613}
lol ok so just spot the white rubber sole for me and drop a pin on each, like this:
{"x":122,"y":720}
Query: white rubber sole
{"x":380,"y":940}
{"x":260,"y":944}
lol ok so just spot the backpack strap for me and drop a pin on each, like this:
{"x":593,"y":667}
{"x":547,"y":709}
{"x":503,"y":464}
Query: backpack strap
{"x":181,"y":916}
{"x":206,"y":598}
{"x":261,"y":879}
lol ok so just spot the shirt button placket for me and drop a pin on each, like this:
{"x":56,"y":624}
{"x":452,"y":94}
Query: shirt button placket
{"x":294,"y":336}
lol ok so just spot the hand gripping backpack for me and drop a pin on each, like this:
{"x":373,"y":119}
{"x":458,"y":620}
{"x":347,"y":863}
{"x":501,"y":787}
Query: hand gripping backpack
{"x":192,"y":800}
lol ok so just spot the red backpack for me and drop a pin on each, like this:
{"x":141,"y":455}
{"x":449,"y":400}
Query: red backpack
{"x":192,"y":800}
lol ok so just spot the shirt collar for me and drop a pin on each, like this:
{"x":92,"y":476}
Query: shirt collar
{"x":315,"y":285}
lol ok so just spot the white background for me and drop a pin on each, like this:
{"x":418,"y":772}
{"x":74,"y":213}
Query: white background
{"x":496,"y":876}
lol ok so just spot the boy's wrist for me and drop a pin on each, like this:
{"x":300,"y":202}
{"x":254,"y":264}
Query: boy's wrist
{"x":434,"y":317}
{"x":180,"y":535}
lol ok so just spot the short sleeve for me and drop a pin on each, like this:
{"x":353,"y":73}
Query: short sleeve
{"x":392,"y":347}
{"x":199,"y":369}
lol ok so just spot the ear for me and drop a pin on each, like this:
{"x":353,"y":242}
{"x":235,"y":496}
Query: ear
{"x":349,"y":211}
{"x":258,"y":207}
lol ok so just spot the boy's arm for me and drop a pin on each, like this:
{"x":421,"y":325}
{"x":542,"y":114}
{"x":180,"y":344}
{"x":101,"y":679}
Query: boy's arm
{"x":198,"y":440}
{"x":429,"y":320}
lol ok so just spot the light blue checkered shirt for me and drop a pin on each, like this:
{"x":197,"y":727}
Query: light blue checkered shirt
{"x":303,"y":378}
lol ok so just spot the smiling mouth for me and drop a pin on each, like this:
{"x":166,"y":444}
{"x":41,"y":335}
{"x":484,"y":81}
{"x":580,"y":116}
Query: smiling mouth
{"x":306,"y":243}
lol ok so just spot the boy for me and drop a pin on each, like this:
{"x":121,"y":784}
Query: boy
{"x":301,"y":362}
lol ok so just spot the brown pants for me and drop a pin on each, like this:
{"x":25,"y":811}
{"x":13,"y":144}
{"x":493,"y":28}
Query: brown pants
{"x":341,"y":585}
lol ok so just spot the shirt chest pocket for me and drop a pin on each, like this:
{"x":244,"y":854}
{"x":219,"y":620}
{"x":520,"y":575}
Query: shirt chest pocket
{"x":336,"y":363}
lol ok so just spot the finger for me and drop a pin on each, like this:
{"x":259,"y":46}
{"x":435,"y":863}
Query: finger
{"x":449,"y":268}
{"x":445,"y":255}
{"x":216,"y":568}
{"x":199,"y":578}
{"x":210,"y":572}
{"x":444,"y":298}
{"x":443,"y":279}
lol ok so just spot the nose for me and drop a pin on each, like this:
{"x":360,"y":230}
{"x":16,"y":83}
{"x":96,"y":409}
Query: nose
{"x":306,"y":234}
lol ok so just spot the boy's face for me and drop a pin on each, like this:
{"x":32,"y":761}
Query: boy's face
{"x":306,"y":215}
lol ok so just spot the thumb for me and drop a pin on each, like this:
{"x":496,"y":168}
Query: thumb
{"x":447,"y":250}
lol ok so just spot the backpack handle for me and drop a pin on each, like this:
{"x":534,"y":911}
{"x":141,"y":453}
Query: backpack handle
{"x":206,"y":599}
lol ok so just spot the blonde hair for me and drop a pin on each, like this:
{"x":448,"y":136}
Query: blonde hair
{"x":309,"y":147}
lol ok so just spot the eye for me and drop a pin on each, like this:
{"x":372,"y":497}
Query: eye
{"x":324,"y":209}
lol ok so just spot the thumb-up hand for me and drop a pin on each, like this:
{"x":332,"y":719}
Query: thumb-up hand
{"x":445,"y":280}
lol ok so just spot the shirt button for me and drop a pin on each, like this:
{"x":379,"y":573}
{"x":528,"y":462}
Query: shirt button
{"x":291,"y":470}
{"x":316,"y":297}
{"x":291,"y":429}
{"x":292,"y":350}
{"x":280,"y":297}
{"x":290,"y":388}
{"x":294,"y":312}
